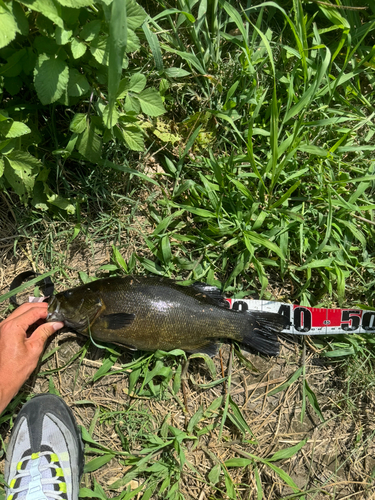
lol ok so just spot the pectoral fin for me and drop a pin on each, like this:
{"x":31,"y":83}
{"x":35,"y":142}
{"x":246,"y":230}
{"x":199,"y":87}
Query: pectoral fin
{"x":117,"y":321}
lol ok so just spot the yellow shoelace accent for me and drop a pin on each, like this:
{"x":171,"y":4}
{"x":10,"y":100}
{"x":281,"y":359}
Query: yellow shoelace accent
{"x":62,"y":487}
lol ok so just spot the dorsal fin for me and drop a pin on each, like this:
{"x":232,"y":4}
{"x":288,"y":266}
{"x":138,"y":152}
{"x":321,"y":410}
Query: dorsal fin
{"x":211,"y":291}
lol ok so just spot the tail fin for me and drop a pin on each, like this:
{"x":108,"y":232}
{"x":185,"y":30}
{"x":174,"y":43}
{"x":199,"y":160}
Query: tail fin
{"x":262,"y":335}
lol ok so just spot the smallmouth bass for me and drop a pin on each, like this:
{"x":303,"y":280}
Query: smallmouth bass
{"x":151,"y":313}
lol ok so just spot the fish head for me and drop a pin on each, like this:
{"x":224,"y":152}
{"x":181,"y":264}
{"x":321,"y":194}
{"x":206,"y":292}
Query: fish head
{"x":75,"y":309}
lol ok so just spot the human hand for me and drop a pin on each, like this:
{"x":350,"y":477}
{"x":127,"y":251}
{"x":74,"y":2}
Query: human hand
{"x":19,"y":354}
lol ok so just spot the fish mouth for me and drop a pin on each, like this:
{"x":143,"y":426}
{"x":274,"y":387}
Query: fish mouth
{"x":55,"y":315}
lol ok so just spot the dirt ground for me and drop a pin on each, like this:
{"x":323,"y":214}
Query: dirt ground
{"x":337,"y":461}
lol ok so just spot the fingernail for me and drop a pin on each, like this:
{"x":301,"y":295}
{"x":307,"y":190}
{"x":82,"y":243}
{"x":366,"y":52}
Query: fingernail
{"x":57,"y":325}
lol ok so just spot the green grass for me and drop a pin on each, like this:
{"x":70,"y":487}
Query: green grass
{"x":260,"y":179}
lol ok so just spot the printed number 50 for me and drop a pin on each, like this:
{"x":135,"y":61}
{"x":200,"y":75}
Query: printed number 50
{"x":350,"y":320}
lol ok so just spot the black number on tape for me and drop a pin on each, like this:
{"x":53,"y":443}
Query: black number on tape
{"x":284,"y":310}
{"x":368,"y":321}
{"x":240,"y":305}
{"x":302,"y":319}
{"x":350,"y":320}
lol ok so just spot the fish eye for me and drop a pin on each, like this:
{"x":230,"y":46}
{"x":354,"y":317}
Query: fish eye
{"x":68,"y":294}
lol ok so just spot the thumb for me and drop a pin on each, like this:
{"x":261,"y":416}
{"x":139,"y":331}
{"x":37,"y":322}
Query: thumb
{"x":44,"y":331}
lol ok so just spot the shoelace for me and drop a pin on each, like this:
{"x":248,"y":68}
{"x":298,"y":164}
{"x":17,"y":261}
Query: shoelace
{"x":35,"y":488}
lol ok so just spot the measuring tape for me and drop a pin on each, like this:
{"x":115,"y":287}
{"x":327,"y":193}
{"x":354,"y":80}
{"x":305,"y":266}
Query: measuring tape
{"x":312,"y":320}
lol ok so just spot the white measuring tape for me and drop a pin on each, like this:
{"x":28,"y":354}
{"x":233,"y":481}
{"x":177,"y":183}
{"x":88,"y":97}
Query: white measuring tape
{"x":312,"y":320}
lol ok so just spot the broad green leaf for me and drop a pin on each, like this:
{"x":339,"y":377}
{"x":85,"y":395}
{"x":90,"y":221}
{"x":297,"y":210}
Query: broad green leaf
{"x":90,"y":145}
{"x":4,"y":144}
{"x":137,"y":83}
{"x":98,"y":462}
{"x":166,"y":249}
{"x":78,"y":84}
{"x":10,"y":129}
{"x":78,"y":48}
{"x":14,"y":64}
{"x":76,"y":4}
{"x":135,"y":14}
{"x":238,"y":462}
{"x":62,"y":36}
{"x":335,"y":17}
{"x":52,"y":388}
{"x":21,"y":19}
{"x":176,"y":72}
{"x":46,"y":45}
{"x":61,"y":202}
{"x":110,"y":120}
{"x":151,"y":102}
{"x":87,"y":493}
{"x":8,"y":26}
{"x":90,"y":30}
{"x":78,"y":123}
{"x":1,"y":166}
{"x":99,"y":48}
{"x":338,"y":353}
{"x":123,"y":88}
{"x":119,"y":258}
{"x":48,"y":8}
{"x":132,"y":104}
{"x":288,"y":452}
{"x":236,"y":18}
{"x":51,"y":76}
{"x":105,"y":368}
{"x":133,"y":138}
{"x":133,"y":42}
{"x":21,"y":168}
{"x":315,"y":264}
{"x":214,"y":474}
{"x":150,"y":266}
{"x":313,"y":150}
{"x":13,"y":84}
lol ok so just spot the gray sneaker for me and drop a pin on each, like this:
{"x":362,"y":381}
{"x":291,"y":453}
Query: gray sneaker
{"x":45,"y":453}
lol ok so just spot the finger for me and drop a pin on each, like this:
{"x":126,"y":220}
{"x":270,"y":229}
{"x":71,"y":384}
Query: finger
{"x":27,"y":306}
{"x":43,"y":332}
{"x":22,"y":322}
